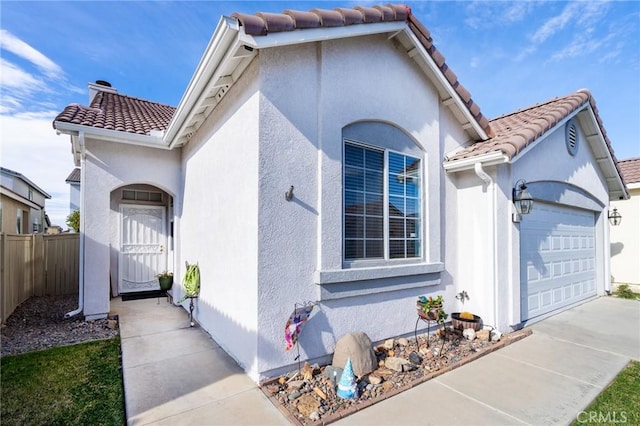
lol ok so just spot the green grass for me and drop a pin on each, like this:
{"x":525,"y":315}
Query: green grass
{"x":618,"y":404}
{"x":71,"y":385}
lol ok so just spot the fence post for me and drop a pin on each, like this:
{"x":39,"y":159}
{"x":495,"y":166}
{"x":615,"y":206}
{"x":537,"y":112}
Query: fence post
{"x":38,"y":265}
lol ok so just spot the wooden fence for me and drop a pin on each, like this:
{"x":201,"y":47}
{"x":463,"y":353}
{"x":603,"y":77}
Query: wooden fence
{"x":36,"y":265}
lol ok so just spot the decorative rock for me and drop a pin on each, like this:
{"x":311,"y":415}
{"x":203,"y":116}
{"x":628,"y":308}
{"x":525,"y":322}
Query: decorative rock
{"x":273,"y":389}
{"x":296,"y":384}
{"x":314,"y":416}
{"x":403,"y":342}
{"x":495,"y":335}
{"x":415,"y":358}
{"x":307,"y":372}
{"x":375,"y":380}
{"x":294,"y":395}
{"x":396,"y":364}
{"x":483,"y":335}
{"x":307,"y":404}
{"x":112,"y":324}
{"x":386,"y":386}
{"x":369,"y":387}
{"x":469,"y":333}
{"x":408,"y":367}
{"x":389,"y":344}
{"x":333,"y":373}
{"x":424,"y":350}
{"x":320,"y":393}
{"x":358,"y":347}
{"x":282,"y":380}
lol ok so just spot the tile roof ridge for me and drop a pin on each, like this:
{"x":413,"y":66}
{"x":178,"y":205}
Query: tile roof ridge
{"x":629,"y":159}
{"x":134,"y":98}
{"x":543,"y":103}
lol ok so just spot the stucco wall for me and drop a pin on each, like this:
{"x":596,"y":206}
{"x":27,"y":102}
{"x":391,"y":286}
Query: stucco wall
{"x":309,"y":94}
{"x":625,"y":240}
{"x":218,"y":220}
{"x":109,"y":166}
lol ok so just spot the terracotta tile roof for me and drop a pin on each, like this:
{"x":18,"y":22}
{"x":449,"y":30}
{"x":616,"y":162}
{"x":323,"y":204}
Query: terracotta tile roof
{"x":114,"y":111}
{"x":261,"y":24}
{"x":74,"y":176}
{"x":515,"y":131}
{"x":630,"y":169}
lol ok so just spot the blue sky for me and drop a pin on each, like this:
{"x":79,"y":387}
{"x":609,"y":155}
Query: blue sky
{"x":509,"y":55}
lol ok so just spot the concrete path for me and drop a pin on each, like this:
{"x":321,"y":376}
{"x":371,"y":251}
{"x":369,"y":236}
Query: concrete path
{"x":547,"y":378}
{"x":176,"y":375}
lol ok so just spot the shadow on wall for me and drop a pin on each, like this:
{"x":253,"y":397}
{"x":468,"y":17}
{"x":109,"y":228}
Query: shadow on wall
{"x":616,"y":249}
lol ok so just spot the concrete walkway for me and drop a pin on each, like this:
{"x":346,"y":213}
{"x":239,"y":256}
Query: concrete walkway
{"x":175,"y":374}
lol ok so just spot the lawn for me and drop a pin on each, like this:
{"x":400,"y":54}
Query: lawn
{"x":71,"y":385}
{"x":618,"y":404}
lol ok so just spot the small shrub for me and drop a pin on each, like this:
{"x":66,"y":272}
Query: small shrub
{"x":625,"y":292}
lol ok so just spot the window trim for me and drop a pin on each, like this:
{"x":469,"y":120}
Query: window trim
{"x":387,"y":261}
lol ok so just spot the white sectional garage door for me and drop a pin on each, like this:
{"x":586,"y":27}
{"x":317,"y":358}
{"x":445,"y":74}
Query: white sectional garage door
{"x":557,"y":258}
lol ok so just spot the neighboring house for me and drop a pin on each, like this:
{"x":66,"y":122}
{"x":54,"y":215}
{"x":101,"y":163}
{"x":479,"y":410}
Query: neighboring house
{"x":625,"y":238}
{"x":22,"y":204}
{"x":74,"y":189}
{"x":356,"y":110}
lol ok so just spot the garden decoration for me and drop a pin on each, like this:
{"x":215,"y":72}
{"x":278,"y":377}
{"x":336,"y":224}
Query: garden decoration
{"x":293,"y":327}
{"x":191,"y":286}
{"x":430,"y":309}
{"x":347,"y":386}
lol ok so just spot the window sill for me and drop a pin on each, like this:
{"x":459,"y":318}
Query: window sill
{"x":341,"y":283}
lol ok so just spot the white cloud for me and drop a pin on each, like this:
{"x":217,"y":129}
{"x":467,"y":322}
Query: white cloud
{"x":30,"y":146}
{"x":556,"y":23}
{"x":18,"y":47}
{"x":16,"y":78}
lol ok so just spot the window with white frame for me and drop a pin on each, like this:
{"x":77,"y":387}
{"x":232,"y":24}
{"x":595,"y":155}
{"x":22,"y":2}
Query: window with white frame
{"x":382,"y":204}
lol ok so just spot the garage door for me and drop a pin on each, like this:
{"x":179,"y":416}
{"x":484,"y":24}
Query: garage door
{"x":557,"y":258}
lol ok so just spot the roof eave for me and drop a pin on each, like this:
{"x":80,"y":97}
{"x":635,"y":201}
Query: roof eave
{"x":118,"y":136}
{"x":488,"y":159}
{"x":616,"y":186}
{"x":205,"y":86}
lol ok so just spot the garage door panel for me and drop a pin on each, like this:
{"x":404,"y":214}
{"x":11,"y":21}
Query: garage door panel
{"x":557,"y":258}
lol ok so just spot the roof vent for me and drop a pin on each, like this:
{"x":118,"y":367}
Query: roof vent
{"x":571,"y":137}
{"x":103,"y":83}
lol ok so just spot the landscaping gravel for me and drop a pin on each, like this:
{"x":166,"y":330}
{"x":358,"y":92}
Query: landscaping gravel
{"x":39,"y":323}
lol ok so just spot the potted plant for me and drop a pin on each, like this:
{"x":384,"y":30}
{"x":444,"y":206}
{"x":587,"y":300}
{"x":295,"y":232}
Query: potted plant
{"x":464,"y":320}
{"x":165,"y":279}
{"x":431,"y":308}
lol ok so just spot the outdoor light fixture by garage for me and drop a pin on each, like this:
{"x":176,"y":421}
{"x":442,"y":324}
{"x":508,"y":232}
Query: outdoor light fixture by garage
{"x":521,"y":198}
{"x":614,"y":217}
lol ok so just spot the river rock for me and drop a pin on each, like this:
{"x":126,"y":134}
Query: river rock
{"x":483,"y":335}
{"x":403,"y":341}
{"x":469,"y":333}
{"x":357,"y":346}
{"x":415,"y":358}
{"x":389,"y":344}
{"x":307,"y":404}
{"x":396,"y":364}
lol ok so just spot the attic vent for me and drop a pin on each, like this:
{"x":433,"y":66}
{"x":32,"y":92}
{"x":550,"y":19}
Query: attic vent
{"x":571,"y":137}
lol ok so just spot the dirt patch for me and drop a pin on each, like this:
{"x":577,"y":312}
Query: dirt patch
{"x":308,"y":397}
{"x":39,"y":323}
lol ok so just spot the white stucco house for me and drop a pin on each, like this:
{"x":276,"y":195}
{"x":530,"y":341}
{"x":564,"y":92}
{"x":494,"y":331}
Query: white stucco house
{"x":625,"y":238}
{"x":401,"y":187}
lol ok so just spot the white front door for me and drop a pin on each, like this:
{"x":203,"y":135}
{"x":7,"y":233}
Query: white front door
{"x":557,"y":258}
{"x":143,"y":240}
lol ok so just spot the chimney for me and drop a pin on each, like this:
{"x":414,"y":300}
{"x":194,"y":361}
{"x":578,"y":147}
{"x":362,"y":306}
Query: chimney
{"x":99,"y":86}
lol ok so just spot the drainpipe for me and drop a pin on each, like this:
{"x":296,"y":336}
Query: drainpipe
{"x":491,"y":186}
{"x":82,"y":212}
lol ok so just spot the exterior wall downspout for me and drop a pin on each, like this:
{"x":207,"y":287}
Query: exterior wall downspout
{"x":83,"y":185}
{"x":480,"y":172}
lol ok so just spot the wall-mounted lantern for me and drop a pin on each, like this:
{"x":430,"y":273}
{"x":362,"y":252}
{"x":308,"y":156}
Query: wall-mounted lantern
{"x":521,"y":198}
{"x":614,"y":217}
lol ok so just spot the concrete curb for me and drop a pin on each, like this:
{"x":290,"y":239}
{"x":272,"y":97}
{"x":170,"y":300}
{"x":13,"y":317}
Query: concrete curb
{"x":506,"y":340}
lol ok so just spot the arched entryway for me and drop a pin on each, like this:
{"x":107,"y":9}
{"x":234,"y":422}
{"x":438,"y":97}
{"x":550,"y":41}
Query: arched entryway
{"x":141,"y":243}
